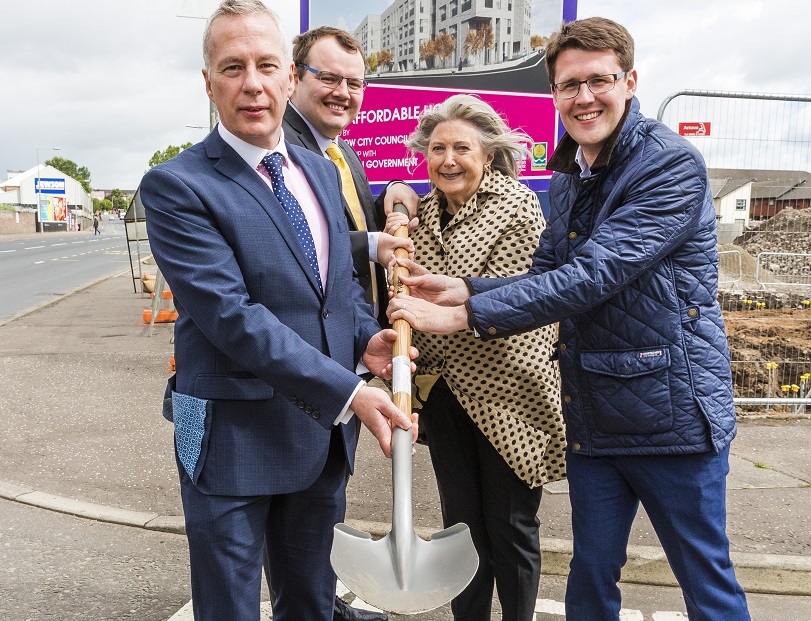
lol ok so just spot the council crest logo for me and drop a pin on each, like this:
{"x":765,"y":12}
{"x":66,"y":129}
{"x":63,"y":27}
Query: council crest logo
{"x":538,"y":156}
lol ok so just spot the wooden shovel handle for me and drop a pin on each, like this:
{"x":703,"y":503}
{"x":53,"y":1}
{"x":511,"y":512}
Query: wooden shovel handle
{"x":402,"y":346}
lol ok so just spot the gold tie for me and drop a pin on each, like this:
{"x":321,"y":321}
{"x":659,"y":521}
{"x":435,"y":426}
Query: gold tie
{"x":351,"y":195}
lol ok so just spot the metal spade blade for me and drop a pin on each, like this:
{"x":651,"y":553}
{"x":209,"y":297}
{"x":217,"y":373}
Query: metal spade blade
{"x":401,"y":572}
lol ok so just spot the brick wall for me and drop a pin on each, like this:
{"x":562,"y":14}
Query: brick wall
{"x":9,"y":224}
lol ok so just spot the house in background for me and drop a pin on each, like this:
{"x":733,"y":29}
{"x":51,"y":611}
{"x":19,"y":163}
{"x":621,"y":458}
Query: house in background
{"x":742,"y":196}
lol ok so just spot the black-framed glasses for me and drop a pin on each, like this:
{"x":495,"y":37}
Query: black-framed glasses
{"x":598,"y":84}
{"x":333,"y":80}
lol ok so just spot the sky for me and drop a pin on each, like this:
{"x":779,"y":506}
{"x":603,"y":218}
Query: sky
{"x":111,"y":82}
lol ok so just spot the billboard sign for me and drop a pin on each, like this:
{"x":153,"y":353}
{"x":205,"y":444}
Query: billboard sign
{"x":390,"y":114}
{"x":49,"y":186}
{"x":53,"y":208}
{"x":53,"y":204}
{"x":418,"y":57}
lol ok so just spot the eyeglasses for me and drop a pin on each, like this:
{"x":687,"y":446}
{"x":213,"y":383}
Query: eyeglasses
{"x":333,"y":80}
{"x":598,"y":84}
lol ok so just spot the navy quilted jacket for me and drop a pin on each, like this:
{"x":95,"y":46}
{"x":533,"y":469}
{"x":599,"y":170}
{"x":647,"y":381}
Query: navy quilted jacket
{"x":628,"y":266}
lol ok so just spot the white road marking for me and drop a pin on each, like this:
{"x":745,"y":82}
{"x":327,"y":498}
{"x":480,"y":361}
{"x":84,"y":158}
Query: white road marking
{"x":550,"y":607}
{"x":543,"y":606}
{"x":33,"y":247}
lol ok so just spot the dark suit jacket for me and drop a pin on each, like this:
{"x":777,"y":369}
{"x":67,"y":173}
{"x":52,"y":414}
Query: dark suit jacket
{"x":297,"y":132}
{"x":254,"y":335}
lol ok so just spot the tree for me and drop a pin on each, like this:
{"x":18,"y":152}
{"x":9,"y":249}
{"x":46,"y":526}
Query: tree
{"x":427,"y":53}
{"x":474,"y":42}
{"x":445,"y":44}
{"x":479,"y":39}
{"x":385,"y":58}
{"x":167,"y":154}
{"x":373,"y":62}
{"x":118,"y":200}
{"x":536,"y":41}
{"x":72,"y":169}
{"x":488,"y":39}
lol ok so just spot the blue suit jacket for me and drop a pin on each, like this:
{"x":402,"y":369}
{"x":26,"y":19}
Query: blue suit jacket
{"x":255,"y":337}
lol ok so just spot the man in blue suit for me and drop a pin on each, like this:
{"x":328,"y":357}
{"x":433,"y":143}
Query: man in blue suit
{"x":250,"y":234}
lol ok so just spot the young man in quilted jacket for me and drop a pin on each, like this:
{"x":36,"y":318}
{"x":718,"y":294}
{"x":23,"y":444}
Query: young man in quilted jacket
{"x":628,"y":266}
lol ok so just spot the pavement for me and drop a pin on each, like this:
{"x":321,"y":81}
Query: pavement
{"x":81,"y":433}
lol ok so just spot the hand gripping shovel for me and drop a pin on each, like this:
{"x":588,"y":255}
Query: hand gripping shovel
{"x":402,"y":573}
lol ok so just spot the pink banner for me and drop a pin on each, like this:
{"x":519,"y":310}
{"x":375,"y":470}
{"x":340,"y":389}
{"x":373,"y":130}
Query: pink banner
{"x":390,"y":114}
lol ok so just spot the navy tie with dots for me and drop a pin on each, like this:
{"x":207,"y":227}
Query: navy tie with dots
{"x":273,"y":163}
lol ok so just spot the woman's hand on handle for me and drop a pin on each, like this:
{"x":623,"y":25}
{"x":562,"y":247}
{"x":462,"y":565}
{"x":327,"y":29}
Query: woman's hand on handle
{"x":427,"y":317}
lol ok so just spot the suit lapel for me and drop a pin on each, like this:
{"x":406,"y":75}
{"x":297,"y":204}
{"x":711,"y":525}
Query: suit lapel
{"x":300,"y":134}
{"x":230,"y":164}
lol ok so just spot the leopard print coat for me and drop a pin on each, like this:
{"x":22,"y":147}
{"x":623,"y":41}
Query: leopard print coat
{"x":509,"y":387}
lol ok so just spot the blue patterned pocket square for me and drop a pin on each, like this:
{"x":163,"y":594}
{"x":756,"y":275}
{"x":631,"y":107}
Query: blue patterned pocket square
{"x":190,"y":427}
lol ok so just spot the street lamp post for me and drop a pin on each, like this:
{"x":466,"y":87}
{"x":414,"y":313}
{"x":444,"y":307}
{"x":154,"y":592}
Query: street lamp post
{"x":39,"y":189}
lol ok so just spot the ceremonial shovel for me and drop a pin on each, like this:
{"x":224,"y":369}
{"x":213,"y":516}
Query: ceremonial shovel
{"x":402,"y":573}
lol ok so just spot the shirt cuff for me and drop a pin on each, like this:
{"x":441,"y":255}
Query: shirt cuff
{"x":373,"y":237}
{"x":346,"y":413}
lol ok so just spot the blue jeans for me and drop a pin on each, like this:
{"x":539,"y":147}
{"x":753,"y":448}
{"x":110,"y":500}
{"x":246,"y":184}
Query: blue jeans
{"x":685,"y":499}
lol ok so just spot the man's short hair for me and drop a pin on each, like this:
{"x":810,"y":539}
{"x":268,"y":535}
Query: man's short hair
{"x":239,"y":7}
{"x":303,"y":43}
{"x":592,"y":34}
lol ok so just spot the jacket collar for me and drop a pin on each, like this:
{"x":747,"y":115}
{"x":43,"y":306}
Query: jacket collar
{"x":229,"y":163}
{"x":563,"y":159}
{"x":493,"y":182}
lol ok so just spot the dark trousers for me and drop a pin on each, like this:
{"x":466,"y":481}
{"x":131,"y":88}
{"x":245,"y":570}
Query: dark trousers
{"x":685,"y":499}
{"x":477,"y":487}
{"x":226,"y":535}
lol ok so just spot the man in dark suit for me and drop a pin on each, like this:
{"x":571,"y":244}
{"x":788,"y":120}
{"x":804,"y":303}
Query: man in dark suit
{"x":250,"y":234}
{"x":330,"y":70}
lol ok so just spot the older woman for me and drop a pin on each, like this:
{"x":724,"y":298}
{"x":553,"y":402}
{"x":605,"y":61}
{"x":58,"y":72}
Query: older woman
{"x":490,"y":409}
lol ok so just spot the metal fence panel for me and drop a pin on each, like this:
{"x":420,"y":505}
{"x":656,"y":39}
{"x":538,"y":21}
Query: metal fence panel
{"x":757,"y":148}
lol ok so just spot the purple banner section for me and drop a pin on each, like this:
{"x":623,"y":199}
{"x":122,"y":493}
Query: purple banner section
{"x":390,"y":113}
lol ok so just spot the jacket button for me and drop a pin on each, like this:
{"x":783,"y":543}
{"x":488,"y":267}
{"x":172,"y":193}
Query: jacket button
{"x":308,"y":409}
{"x":325,"y":313}
{"x":572,"y":235}
{"x":692,"y":312}
{"x":567,"y":399}
{"x":576,"y":446}
{"x":316,"y":414}
{"x":294,"y":400}
{"x":563,"y":347}
{"x":491,"y":330}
